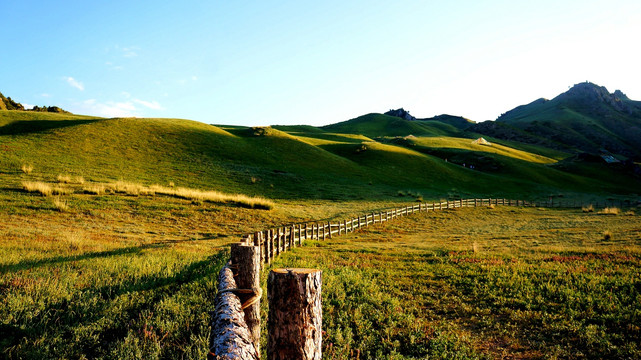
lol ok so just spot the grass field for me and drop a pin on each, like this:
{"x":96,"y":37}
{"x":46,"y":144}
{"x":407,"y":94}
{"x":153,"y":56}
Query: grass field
{"x":482,"y":283}
{"x":120,"y":275}
{"x":113,"y":231}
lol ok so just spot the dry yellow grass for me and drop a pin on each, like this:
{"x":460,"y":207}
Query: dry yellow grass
{"x":610,"y":211}
{"x":38,"y":187}
{"x":129,"y":188}
{"x":213,"y":196}
{"x":94,"y":189}
{"x":27,"y":169}
{"x":68,"y":179}
{"x":588,"y":209}
{"x":60,"y":204}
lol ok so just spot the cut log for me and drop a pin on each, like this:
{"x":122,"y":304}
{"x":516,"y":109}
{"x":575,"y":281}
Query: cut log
{"x":230,"y":337}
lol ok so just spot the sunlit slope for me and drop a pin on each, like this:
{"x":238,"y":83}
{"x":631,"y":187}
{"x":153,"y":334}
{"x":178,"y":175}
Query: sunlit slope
{"x":301,"y":162}
{"x":442,"y":142}
{"x":503,"y":161}
{"x":180,"y":151}
{"x":375,"y":125}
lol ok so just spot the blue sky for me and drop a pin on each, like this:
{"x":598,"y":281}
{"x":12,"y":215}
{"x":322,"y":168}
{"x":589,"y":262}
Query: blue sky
{"x":298,"y":62}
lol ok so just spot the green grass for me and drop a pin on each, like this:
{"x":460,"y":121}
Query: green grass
{"x":374,"y":125}
{"x":482,"y":283}
{"x":296,"y":162}
{"x":92,"y":273}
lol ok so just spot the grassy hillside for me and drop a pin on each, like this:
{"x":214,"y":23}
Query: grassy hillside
{"x":293,"y":162}
{"x":374,"y":125}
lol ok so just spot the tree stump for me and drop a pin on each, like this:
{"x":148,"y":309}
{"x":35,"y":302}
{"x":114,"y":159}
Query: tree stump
{"x":295,"y":314}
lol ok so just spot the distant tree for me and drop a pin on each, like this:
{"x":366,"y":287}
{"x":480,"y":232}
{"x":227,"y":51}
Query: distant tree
{"x":6,"y":103}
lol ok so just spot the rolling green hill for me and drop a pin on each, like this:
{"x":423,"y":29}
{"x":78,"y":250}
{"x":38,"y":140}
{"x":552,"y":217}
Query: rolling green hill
{"x":375,"y":125}
{"x":370,"y":157}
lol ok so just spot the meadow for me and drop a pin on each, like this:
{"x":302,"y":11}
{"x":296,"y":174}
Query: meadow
{"x":113,"y":230}
{"x":482,"y":283}
{"x":120,"y":273}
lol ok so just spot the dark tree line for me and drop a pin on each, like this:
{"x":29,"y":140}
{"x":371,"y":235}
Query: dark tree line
{"x":6,"y":103}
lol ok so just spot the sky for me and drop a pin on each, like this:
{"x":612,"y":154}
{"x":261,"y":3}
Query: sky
{"x":301,"y":62}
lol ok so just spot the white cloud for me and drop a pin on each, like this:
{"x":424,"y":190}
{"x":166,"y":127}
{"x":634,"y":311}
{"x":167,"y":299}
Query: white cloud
{"x":128,"y":106}
{"x":27,"y":106}
{"x":75,"y":83}
{"x":113,"y":66}
{"x":108,"y":109}
{"x":130,"y":52}
{"x":154,"y":105}
{"x":45,"y":95}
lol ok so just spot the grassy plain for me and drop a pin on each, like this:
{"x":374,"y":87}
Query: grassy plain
{"x":482,"y":283}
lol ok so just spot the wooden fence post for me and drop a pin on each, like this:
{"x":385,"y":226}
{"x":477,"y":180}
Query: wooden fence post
{"x":268,"y":247}
{"x":295,"y":314}
{"x":246,"y":260}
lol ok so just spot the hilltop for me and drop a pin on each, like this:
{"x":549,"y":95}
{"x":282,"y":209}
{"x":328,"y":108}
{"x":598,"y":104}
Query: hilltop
{"x":587,"y":118}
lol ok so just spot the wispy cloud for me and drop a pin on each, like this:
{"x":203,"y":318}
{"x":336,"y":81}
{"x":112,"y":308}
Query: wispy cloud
{"x":130,"y":52}
{"x":113,"y":66}
{"x":107,"y":109}
{"x":75,"y":83}
{"x":154,"y":105}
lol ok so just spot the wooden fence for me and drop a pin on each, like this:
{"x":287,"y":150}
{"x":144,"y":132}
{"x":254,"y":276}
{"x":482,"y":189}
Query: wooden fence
{"x":231,"y":336}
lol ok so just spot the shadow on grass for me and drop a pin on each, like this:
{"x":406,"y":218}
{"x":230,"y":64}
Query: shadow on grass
{"x":93,"y":307}
{"x":34,"y":126}
{"x":30,"y":264}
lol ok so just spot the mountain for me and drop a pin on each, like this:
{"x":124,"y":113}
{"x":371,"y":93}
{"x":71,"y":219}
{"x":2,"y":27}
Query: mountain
{"x":587,"y":118}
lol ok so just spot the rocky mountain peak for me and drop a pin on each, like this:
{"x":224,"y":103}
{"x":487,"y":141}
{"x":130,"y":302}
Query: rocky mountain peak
{"x":591,"y":95}
{"x":401,"y":113}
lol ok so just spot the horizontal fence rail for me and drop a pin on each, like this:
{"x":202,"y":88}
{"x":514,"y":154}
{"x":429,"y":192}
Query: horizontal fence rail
{"x":272,"y":242}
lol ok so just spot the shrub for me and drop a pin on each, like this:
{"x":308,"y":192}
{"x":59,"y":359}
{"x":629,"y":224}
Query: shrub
{"x":588,"y":209}
{"x":607,"y":235}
